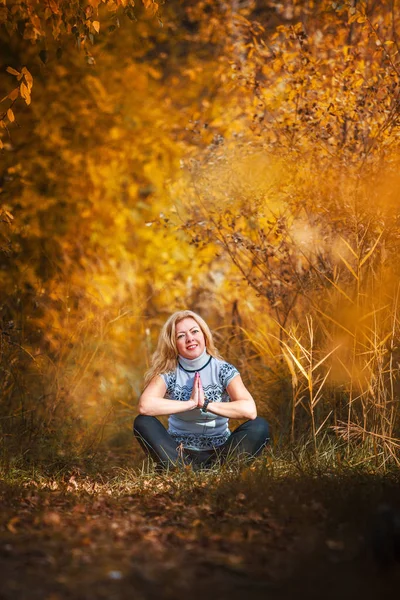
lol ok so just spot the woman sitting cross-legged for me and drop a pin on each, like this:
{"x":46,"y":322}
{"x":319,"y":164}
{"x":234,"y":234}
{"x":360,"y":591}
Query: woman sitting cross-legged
{"x":189,"y":381}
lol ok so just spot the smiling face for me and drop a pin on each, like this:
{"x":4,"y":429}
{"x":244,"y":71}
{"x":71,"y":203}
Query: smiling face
{"x":190,"y":340}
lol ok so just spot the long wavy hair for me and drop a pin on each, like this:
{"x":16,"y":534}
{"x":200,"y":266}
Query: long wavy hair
{"x":165,"y":358}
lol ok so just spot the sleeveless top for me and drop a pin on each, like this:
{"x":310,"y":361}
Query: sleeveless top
{"x":195,"y":429}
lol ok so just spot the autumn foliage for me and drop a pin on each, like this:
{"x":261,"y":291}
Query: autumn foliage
{"x":240,"y":160}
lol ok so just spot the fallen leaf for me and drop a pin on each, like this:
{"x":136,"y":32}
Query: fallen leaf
{"x":235,"y":559}
{"x":196,"y":523}
{"x":51,"y":518}
{"x":336,"y":545}
{"x":11,"y":524}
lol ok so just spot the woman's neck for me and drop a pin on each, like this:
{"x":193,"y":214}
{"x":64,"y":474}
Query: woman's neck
{"x":194,"y":364}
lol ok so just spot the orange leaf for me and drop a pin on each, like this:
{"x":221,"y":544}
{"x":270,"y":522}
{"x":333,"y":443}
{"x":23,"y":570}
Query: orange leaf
{"x":150,"y":6}
{"x":96,"y":26}
{"x":11,"y":524}
{"x":51,"y":518}
{"x":14,"y":94}
{"x":25,"y":93}
{"x":54,"y":7}
{"x":10,"y":115}
{"x":28,"y":76}
{"x":12,"y":71}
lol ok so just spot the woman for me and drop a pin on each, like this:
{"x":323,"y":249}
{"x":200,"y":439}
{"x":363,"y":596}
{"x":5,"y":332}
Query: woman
{"x":189,"y":381}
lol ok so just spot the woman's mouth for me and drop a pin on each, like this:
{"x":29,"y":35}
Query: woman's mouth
{"x":191,"y":347}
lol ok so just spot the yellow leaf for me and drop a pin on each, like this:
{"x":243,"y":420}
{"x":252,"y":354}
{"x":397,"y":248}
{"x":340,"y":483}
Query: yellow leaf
{"x":25,"y":93}
{"x":374,"y":312}
{"x":24,"y":90}
{"x":348,"y":265}
{"x":157,"y":75}
{"x":12,"y":71}
{"x":324,"y":359}
{"x":1,"y":145}
{"x":27,"y":75}
{"x":150,"y":6}
{"x":349,"y":247}
{"x":366,"y":257}
{"x":291,"y":368}
{"x":96,"y":26}
{"x":298,"y":363}
{"x":10,"y":115}
{"x":14,"y":94}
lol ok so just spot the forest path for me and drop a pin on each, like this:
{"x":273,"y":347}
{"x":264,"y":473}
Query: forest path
{"x":192,"y":537}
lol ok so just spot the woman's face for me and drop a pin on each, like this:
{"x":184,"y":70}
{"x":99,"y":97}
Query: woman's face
{"x":190,"y":340}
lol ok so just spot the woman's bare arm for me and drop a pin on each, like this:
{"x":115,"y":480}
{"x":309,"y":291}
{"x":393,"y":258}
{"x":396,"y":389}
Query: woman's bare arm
{"x":242,"y":405}
{"x":153,"y":403}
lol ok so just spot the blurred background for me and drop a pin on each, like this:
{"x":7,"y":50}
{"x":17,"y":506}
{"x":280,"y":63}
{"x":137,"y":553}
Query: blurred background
{"x":238,"y":158}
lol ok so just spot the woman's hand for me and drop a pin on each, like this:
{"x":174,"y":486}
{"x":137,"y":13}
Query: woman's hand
{"x":153,"y":403}
{"x":197,"y":396}
{"x":194,"y":398}
{"x":201,"y":393}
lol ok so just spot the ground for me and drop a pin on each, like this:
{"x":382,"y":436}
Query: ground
{"x":250,"y":531}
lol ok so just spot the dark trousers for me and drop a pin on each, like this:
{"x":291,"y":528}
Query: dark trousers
{"x":246,"y":441}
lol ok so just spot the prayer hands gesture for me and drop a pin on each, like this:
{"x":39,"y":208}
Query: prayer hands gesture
{"x":197,"y":397}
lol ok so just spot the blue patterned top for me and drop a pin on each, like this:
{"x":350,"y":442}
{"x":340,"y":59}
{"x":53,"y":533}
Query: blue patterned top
{"x":196,"y":429}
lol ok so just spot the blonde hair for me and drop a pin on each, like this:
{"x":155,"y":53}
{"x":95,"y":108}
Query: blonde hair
{"x":165,"y":358}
